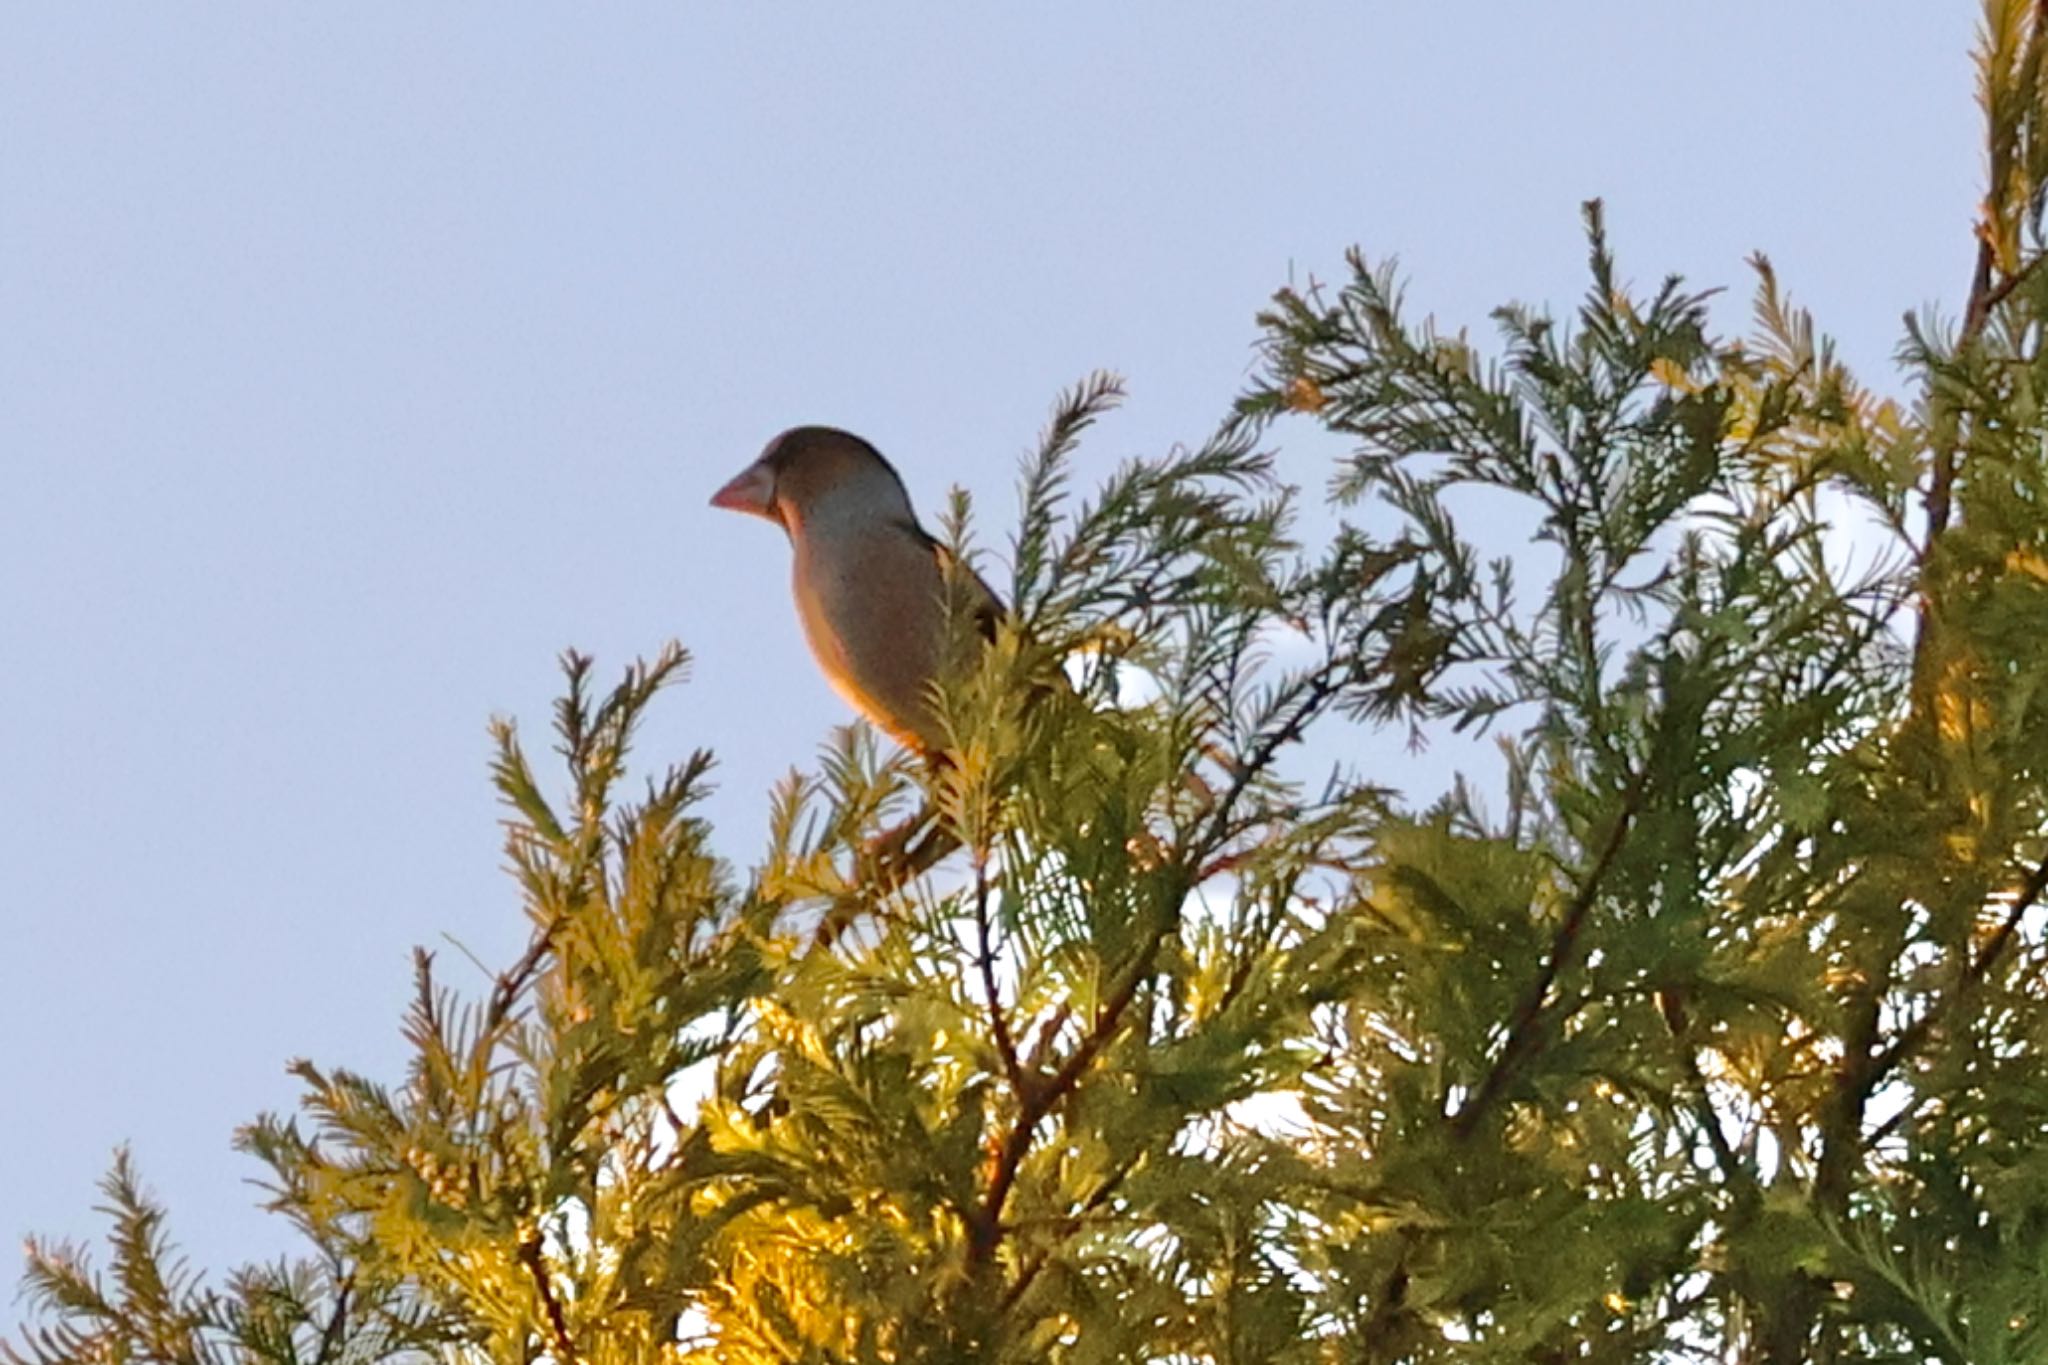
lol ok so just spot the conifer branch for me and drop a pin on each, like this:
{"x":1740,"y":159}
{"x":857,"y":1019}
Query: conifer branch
{"x":1788,"y":1327}
{"x":1983,"y":300}
{"x":1948,"y":450}
{"x":1973,"y":974}
{"x":1314,"y":693}
{"x":1731,"y":1165}
{"x":1523,"y":1041}
{"x":897,"y":856}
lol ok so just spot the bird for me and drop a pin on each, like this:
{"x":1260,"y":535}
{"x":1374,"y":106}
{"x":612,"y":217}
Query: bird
{"x":871,"y":588}
{"x":871,"y":584}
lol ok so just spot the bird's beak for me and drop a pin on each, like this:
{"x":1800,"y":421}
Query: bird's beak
{"x":752,"y":490}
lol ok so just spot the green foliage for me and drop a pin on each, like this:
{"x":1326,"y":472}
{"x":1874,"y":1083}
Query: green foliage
{"x":1705,"y":1029}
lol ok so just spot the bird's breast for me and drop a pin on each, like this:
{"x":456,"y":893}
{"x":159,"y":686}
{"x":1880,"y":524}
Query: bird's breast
{"x":872,"y":613}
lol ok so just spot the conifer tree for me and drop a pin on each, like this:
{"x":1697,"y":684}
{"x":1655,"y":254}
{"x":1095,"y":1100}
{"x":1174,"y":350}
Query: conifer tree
{"x":1707,"y":1029}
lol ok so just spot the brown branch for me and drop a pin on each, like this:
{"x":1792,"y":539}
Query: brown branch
{"x":1094,"y":1201}
{"x":1709,"y":1117}
{"x":985,"y":1226}
{"x":892,"y":860}
{"x":330,"y":1335}
{"x":1787,"y":1329}
{"x":1977,"y":312}
{"x":516,"y":978}
{"x":1524,"y":1038}
{"x":1378,"y":1333}
{"x":1984,"y":297}
{"x":884,"y":865}
{"x":984,"y":961}
{"x":530,"y":1257}
{"x":1039,"y":1100}
{"x":1948,"y":453}
{"x":1322,"y":686}
{"x":1048,"y":1032}
{"x":2006,"y":287}
{"x":1876,"y":1136}
{"x":1910,"y":1039}
{"x":1916,"y":1033}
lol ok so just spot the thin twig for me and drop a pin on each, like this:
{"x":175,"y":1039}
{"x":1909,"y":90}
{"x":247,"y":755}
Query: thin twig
{"x":530,"y":1257}
{"x":2005,"y":288}
{"x":1039,"y":1100}
{"x":1948,"y":450}
{"x":1048,"y":1032}
{"x":1523,"y":1036}
{"x":516,"y":978}
{"x":984,"y":961}
{"x":330,"y":1335}
{"x":891,"y":860}
{"x":1984,"y":297}
{"x":1320,"y":688}
{"x":1094,"y":1201}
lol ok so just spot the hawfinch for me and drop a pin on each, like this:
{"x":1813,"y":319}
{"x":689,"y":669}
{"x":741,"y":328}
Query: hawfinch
{"x":870,"y":582}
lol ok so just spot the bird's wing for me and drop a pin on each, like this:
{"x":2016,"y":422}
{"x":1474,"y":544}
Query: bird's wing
{"x":988,"y":608}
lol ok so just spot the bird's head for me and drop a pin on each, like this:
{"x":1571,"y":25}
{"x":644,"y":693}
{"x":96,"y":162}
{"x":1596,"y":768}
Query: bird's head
{"x":809,"y":475}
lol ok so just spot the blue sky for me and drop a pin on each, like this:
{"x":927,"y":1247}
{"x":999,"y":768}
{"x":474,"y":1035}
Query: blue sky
{"x":356,"y":359}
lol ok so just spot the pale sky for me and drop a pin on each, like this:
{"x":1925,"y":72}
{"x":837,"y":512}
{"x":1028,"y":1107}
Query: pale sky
{"x":355,"y":359}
